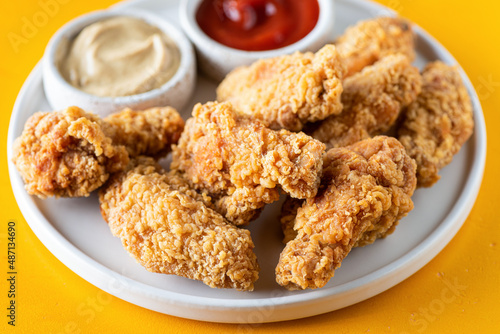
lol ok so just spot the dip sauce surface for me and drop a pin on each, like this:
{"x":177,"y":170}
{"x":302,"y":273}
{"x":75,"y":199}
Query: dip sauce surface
{"x":120,"y":56}
{"x":257,"y":25}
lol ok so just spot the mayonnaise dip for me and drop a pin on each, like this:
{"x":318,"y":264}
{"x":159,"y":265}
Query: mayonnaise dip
{"x":120,"y":56}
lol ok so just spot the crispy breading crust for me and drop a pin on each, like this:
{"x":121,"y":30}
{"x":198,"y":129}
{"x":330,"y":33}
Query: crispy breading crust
{"x":366,"y":189}
{"x":438,"y":123}
{"x":287,"y":217}
{"x":287,"y":91}
{"x":372,"y":99}
{"x":70,"y":153}
{"x":368,"y":41}
{"x":242,"y":164}
{"x":148,"y":132}
{"x":167,"y":231}
{"x":66,"y":154}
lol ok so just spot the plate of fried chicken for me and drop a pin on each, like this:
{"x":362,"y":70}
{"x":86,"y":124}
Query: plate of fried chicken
{"x":298,"y":185}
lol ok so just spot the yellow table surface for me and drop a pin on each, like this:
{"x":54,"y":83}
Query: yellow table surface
{"x":457,"y":292}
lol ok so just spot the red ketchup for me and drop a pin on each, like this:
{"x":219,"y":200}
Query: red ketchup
{"x":257,"y":25}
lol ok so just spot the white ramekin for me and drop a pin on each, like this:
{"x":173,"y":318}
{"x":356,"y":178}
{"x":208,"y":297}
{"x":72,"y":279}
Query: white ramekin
{"x":61,"y":94}
{"x":216,"y":60}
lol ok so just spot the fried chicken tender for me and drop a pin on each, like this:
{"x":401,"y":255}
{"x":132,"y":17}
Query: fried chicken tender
{"x":66,"y":154}
{"x":70,"y":153}
{"x":366,"y":189}
{"x":372,"y":99}
{"x":368,"y":41}
{"x":287,"y":217}
{"x":438,"y":123}
{"x":148,"y":132}
{"x":168,"y":231}
{"x":241,"y":164}
{"x":287,"y":91}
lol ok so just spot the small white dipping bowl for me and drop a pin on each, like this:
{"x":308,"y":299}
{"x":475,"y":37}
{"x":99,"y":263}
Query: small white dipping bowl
{"x":61,"y":94}
{"x":217,"y":60}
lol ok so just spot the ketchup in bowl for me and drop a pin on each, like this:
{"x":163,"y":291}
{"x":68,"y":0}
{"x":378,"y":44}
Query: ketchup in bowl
{"x":257,"y":25}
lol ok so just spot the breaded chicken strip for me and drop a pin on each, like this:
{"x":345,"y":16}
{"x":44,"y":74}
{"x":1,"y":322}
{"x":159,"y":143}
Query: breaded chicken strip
{"x":372,"y":99}
{"x":148,"y":132}
{"x":368,"y":41}
{"x":366,"y":189}
{"x":168,"y":231}
{"x":287,"y":91}
{"x":242,"y":164}
{"x":287,"y":217}
{"x":66,"y":154}
{"x":438,"y":123}
{"x":70,"y":153}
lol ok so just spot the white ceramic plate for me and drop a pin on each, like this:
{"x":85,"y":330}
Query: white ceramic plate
{"x":74,"y":231}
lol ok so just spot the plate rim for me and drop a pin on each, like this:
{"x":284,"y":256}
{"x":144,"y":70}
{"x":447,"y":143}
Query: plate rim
{"x":223,"y":310}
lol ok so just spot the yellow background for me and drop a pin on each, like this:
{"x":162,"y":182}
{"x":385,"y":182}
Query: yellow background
{"x":52,"y":299}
